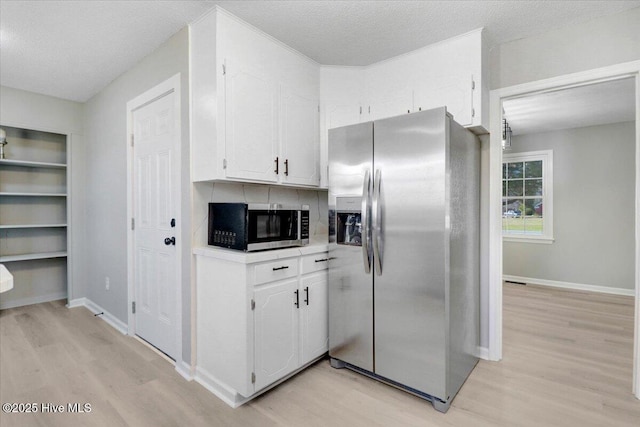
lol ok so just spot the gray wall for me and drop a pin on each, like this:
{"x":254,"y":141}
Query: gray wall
{"x":593,"y":208}
{"x":578,"y":47}
{"x":34,"y":111}
{"x":106,"y":177}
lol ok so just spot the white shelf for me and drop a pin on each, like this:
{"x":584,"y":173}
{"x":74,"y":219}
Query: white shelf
{"x":15,"y":226}
{"x":27,"y":257}
{"x":29,"y":164}
{"x":35,"y":194}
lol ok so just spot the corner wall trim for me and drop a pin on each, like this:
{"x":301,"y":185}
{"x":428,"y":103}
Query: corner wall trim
{"x":569,"y":285}
{"x":483,"y":353}
{"x":118,"y":324}
{"x":185,"y":370}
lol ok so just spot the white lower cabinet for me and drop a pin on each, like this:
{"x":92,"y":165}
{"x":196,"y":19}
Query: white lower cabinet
{"x":277,"y":326}
{"x":260,"y":317}
{"x":314,"y":336}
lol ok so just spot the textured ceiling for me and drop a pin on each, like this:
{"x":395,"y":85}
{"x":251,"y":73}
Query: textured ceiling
{"x":73,"y":49}
{"x":590,"y":105}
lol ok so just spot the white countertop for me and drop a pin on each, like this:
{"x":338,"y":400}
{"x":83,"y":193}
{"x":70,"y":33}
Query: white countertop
{"x":250,"y":257}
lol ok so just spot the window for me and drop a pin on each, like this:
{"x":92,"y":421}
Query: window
{"x":527,"y":197}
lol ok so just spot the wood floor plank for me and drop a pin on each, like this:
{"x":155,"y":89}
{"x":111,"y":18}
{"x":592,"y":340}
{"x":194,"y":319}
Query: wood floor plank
{"x":567,"y":362}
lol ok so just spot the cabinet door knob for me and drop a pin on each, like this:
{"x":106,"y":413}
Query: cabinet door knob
{"x":286,"y":167}
{"x":170,"y":241}
{"x":297,"y":303}
{"x":277,"y":166}
{"x":306,"y":291}
{"x":280,"y":268}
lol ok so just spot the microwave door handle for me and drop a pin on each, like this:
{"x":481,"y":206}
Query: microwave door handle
{"x":377,"y":220}
{"x":364,"y":220}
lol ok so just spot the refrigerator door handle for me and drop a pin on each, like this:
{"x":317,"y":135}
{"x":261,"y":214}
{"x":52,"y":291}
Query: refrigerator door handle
{"x":366,"y":197}
{"x":377,"y":230}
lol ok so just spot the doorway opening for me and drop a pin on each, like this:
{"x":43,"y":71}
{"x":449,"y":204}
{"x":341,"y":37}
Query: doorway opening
{"x":568,"y":222}
{"x":499,"y":98}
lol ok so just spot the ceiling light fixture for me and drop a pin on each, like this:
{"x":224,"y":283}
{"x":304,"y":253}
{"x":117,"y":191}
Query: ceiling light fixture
{"x":3,"y":142}
{"x":506,"y":135}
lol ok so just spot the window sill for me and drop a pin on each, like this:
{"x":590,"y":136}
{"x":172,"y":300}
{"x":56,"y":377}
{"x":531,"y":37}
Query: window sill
{"x":528,"y":239}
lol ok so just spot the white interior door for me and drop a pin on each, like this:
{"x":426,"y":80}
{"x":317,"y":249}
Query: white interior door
{"x":156,"y":189}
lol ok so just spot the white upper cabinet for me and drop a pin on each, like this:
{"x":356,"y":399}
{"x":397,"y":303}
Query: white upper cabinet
{"x":261,"y":111}
{"x":452,"y":73}
{"x":300,"y":146}
{"x":251,"y":134}
{"x":255,"y":106}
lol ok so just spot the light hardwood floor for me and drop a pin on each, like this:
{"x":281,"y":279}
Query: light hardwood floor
{"x":567,"y":362}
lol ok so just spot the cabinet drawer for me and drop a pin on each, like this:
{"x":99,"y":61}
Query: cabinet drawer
{"x":275,"y":270}
{"x":315,"y":262}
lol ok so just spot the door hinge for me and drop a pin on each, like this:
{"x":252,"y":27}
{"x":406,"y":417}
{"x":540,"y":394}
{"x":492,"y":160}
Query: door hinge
{"x":224,"y":163}
{"x":361,"y":109}
{"x":133,"y":307}
{"x":253,"y":377}
{"x":369,"y":109}
{"x":132,"y":140}
{"x":473,"y":112}
{"x":318,"y":108}
{"x":224,"y":69}
{"x":133,"y":223}
{"x":473,"y":85}
{"x":253,"y":304}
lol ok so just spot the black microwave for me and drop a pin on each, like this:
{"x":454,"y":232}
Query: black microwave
{"x":254,"y":227}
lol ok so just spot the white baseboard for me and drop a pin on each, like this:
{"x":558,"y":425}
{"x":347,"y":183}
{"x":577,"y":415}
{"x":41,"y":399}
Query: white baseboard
{"x":482,"y":352}
{"x":222,"y":392}
{"x":78,"y":302}
{"x":118,"y":324}
{"x":184,"y":369}
{"x":32,"y":300}
{"x":569,"y":285}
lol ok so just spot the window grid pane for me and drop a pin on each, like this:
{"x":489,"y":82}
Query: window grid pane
{"x":522,"y":191}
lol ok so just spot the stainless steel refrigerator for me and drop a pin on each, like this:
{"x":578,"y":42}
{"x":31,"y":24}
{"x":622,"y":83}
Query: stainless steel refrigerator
{"x":404,"y":252}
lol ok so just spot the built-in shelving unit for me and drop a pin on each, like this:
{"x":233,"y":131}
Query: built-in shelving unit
{"x":34,"y":222}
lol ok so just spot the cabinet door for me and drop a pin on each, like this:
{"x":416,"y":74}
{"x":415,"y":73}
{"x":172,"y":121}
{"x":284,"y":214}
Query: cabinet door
{"x":342,"y":115}
{"x":276,"y":331}
{"x":391,"y":104}
{"x":251,"y":128}
{"x":453,"y":92}
{"x":300,"y":139}
{"x":314,"y":316}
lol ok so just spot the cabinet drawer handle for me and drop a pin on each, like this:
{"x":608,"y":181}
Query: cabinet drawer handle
{"x":277,"y":166}
{"x":322,"y":260}
{"x":297,"y":303}
{"x":280,"y":268}
{"x":286,"y":167}
{"x":306,"y":291}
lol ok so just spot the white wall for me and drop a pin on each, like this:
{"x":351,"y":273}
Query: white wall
{"x":593,"y":208}
{"x":584,"y":46}
{"x":34,"y":111}
{"x":106,"y":177}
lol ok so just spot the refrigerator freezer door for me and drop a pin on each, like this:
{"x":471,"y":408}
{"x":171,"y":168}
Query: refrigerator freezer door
{"x":410,"y":226}
{"x":350,"y":279}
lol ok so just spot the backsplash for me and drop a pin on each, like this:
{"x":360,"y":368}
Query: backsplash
{"x":206,"y":192}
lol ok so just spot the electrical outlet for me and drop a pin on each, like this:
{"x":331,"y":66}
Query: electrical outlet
{"x":106,"y":283}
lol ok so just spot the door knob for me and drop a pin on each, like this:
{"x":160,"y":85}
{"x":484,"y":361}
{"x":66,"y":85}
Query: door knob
{"x":170,"y":241}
